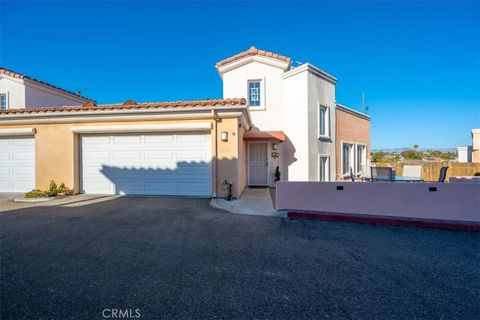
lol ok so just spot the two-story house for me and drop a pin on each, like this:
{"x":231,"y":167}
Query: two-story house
{"x":18,"y":91}
{"x":275,"y":121}
{"x":297,"y":123}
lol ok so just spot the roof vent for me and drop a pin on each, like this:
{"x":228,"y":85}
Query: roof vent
{"x":129,"y":103}
{"x":89,"y":104}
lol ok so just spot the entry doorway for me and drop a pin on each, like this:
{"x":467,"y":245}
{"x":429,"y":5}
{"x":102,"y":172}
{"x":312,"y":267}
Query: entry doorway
{"x":258,"y":164}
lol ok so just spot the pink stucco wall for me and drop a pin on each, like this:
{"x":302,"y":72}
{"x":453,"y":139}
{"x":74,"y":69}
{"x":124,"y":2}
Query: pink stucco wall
{"x":451,"y":201}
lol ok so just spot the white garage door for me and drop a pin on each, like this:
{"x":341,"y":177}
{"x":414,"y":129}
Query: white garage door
{"x":17,"y":164}
{"x":151,"y":164}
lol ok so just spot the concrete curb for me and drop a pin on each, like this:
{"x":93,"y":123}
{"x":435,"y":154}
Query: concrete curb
{"x":34,"y":200}
{"x":223,"y":205}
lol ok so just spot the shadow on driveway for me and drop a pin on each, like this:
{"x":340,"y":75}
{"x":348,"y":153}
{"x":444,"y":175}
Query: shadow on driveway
{"x":177,"y":258}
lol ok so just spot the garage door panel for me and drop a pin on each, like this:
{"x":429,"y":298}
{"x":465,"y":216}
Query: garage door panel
{"x":193,"y":155}
{"x":129,"y":155}
{"x":4,"y":156}
{"x":17,"y":164}
{"x":158,"y":155}
{"x":164,"y":140}
{"x":153,"y":164}
{"x":127,"y":140}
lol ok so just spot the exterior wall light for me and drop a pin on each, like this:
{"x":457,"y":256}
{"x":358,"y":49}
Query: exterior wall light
{"x":275,"y":146}
{"x":224,"y":136}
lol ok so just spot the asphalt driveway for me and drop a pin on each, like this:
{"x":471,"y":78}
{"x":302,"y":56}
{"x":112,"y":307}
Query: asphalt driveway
{"x":176,"y":258}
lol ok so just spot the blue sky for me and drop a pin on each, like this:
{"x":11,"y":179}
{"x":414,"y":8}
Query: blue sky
{"x":418,"y":62}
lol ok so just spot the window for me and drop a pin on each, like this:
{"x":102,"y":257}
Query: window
{"x":254,"y":93}
{"x":347,"y":156}
{"x":361,"y":158}
{"x":324,"y":169}
{"x":3,"y":102}
{"x":323,"y":122}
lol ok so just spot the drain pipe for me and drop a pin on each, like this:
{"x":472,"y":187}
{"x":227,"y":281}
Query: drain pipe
{"x":215,"y":148}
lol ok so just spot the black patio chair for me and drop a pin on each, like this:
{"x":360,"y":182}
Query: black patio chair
{"x":443,"y":174}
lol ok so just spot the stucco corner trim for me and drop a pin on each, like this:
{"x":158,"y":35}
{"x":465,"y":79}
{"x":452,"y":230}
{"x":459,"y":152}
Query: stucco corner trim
{"x":17,"y":132}
{"x":197,"y":126}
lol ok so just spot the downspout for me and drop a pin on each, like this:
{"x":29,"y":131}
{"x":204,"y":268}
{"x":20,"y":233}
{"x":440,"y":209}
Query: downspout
{"x":215,"y":148}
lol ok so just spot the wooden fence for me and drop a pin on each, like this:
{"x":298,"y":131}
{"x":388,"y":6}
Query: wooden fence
{"x":431,"y":170}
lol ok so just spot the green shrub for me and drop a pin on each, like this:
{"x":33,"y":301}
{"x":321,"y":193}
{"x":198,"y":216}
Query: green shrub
{"x":36,"y":193}
{"x":63,"y":190}
{"x":53,"y":191}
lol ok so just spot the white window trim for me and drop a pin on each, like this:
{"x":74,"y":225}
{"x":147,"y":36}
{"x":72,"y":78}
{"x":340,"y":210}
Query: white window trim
{"x":352,"y":158}
{"x":363,"y":161}
{"x":327,"y":122}
{"x":327,"y":174}
{"x":262,"y":105}
{"x":6,"y":99}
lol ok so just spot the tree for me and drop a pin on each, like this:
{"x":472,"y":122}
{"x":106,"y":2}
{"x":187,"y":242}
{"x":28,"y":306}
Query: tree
{"x":415,"y":146}
{"x":378,"y":156}
{"x":448,"y":156}
{"x":412,"y":155}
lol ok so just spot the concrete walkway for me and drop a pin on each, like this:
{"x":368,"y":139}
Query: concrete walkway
{"x":253,"y":201}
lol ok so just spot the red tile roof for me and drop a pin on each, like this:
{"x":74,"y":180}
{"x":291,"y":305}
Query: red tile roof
{"x":22,"y":76}
{"x":264,"y":136}
{"x":251,"y":52}
{"x":122,"y":106}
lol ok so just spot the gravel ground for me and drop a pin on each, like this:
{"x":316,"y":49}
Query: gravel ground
{"x":177,"y":258}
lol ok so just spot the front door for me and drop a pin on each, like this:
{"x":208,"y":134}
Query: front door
{"x":257,"y":164}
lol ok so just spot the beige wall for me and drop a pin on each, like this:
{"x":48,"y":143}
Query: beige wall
{"x":350,"y":128}
{"x":57,"y":152}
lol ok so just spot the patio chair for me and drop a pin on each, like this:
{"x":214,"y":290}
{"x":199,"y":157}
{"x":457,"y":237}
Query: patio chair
{"x":366,"y":173}
{"x":443,"y":174}
{"x":381,"y":174}
{"x":412,"y":171}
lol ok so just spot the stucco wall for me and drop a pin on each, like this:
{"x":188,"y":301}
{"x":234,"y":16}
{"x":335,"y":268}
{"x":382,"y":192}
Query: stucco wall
{"x":320,"y":92}
{"x":36,"y":97}
{"x":450,"y":201}
{"x":24,"y":94}
{"x":15,"y":91}
{"x":294,"y":151}
{"x":350,"y":128}
{"x":235,"y":86}
{"x":57,"y":152}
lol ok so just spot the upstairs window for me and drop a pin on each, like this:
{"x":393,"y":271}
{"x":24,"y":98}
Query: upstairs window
{"x":3,"y":102}
{"x":323,"y":122}
{"x":254,"y":93}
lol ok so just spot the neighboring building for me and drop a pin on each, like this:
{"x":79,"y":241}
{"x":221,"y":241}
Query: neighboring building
{"x":475,"y":145}
{"x":18,"y":91}
{"x":352,"y":142}
{"x":284,"y":116}
{"x":464,"y":154}
{"x":301,"y":103}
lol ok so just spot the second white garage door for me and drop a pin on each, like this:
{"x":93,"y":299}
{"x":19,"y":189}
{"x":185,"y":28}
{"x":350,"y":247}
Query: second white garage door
{"x":150,"y":164}
{"x":17,"y":164}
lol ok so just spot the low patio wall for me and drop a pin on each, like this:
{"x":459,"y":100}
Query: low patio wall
{"x":456,"y":202}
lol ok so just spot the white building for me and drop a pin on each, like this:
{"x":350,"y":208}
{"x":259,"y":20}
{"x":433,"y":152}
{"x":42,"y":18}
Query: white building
{"x":18,"y":91}
{"x":464,"y":154}
{"x":300,"y":102}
